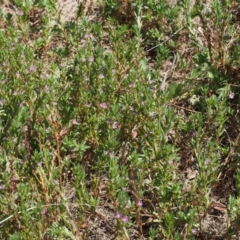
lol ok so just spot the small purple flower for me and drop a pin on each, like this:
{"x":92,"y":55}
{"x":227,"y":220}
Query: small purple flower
{"x":125,"y":219}
{"x":40,"y":164}
{"x":231,"y":95}
{"x":103,"y":105}
{"x":194,"y":231}
{"x":62,"y":64}
{"x":170,"y":162}
{"x":86,"y":35}
{"x":17,"y":11}
{"x":162,"y":87}
{"x":1,"y":186}
{"x":150,"y":82}
{"x":171,"y":131}
{"x":15,"y":93}
{"x":32,"y":68}
{"x":207,"y":161}
{"x":118,"y":215}
{"x":47,"y":130}
{"x":25,"y":128}
{"x":44,"y":210}
{"x":140,"y":203}
{"x":56,"y":181}
{"x":115,"y":125}
{"x":2,"y":102}
{"x":127,"y":206}
{"x":132,"y":85}
{"x":20,"y":13}
{"x":101,"y":76}
{"x":91,"y":59}
{"x":74,"y":121}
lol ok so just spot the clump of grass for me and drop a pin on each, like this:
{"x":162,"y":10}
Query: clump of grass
{"x":94,"y":126}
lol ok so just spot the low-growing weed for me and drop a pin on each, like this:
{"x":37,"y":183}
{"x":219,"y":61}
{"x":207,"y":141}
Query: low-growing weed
{"x":122,"y":128}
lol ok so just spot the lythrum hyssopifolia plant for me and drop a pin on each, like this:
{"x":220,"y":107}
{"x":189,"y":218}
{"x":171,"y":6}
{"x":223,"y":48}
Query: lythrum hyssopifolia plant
{"x":120,"y":124}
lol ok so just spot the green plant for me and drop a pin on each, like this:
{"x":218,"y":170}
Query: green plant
{"x":128,"y":124}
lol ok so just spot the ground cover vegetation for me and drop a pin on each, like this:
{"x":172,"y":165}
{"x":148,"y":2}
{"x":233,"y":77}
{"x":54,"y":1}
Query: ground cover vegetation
{"x":121,"y":123}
